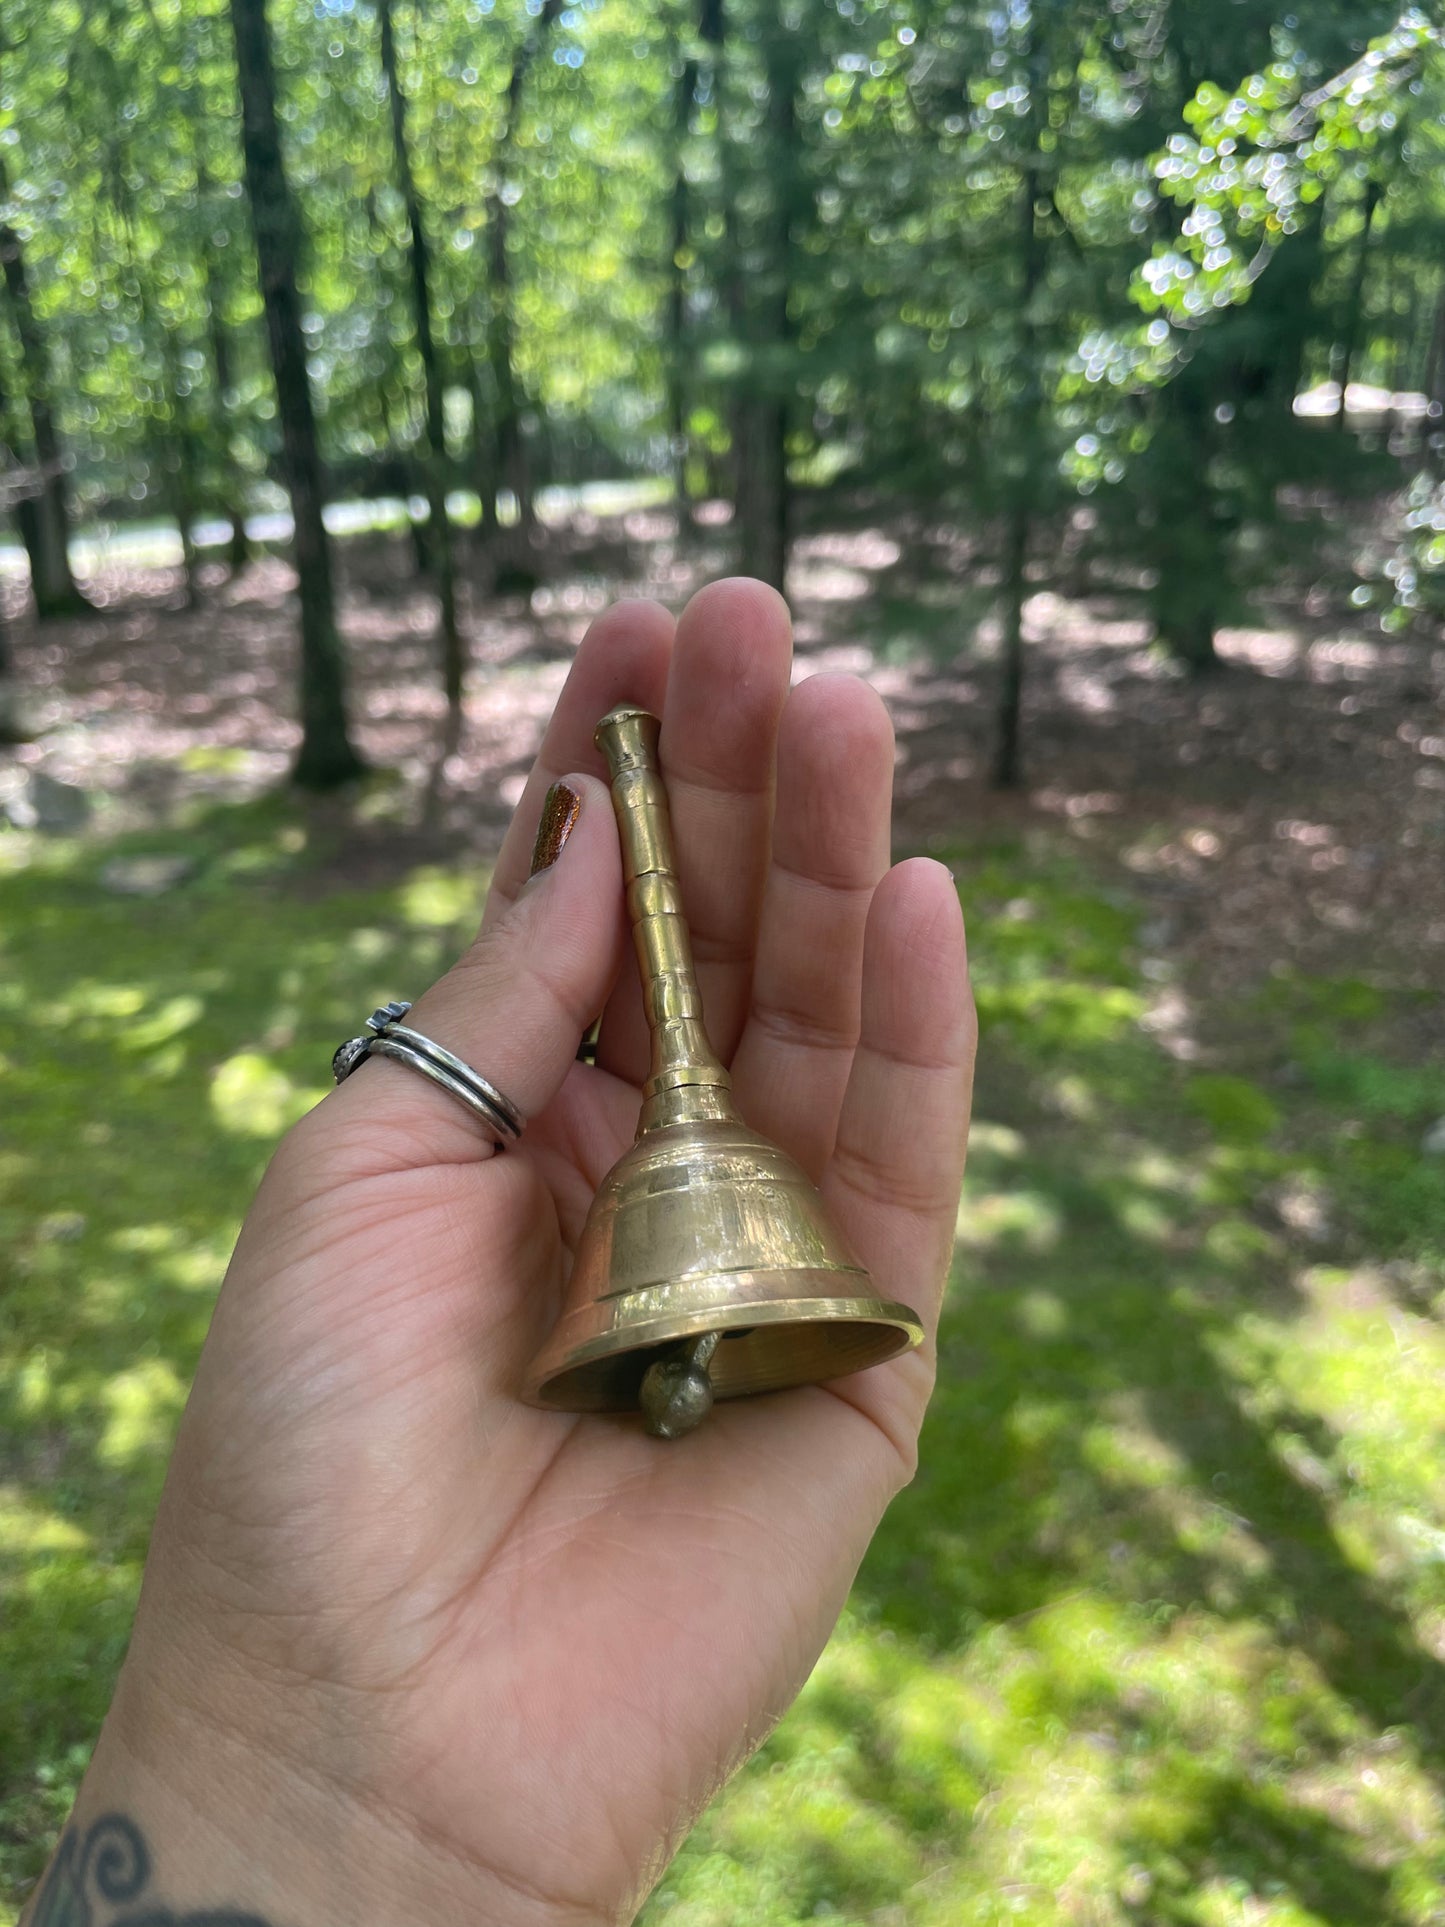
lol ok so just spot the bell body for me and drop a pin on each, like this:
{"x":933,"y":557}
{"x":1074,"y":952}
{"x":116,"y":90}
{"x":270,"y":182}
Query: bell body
{"x":708,"y":1227}
{"x":702,"y":1230}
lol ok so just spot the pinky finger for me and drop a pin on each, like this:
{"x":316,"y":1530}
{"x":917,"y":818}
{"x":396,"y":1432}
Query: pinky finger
{"x":897,"y":1167}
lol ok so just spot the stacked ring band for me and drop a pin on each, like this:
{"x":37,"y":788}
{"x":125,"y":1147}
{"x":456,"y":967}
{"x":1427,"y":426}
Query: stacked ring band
{"x":389,"y":1037}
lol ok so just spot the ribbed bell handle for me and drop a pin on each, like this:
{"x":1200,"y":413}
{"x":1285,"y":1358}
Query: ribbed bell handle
{"x":687,"y":1082}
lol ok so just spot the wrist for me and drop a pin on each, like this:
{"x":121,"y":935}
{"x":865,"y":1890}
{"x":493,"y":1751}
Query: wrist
{"x":185,"y":1813}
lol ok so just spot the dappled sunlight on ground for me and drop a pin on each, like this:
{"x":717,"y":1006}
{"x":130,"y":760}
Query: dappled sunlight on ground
{"x":1126,"y":1651}
{"x":1310,"y":721}
{"x":1157,"y":1636}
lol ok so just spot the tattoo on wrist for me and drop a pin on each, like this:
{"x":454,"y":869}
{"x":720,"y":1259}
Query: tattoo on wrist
{"x":99,"y":1879}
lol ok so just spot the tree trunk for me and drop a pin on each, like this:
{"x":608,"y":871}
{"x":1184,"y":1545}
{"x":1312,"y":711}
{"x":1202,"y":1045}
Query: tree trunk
{"x":764,"y":505}
{"x":36,"y":528}
{"x":513,"y":549}
{"x":399,"y":461}
{"x":231,"y":502}
{"x":326,"y":756}
{"x":510,"y":461}
{"x":677,"y":287}
{"x":1008,"y":759}
{"x":1008,"y":753}
{"x":14,"y":727}
{"x":762,"y":478}
{"x":1193,"y":567}
{"x":511,"y":449}
{"x":11,"y":728}
{"x":46,"y":529}
{"x":747,"y":430}
{"x":712,"y":31}
{"x":484,"y":456}
{"x":439,"y":533}
{"x":174,"y":452}
{"x":230,"y":498}
{"x":173,"y":458}
{"x":174,"y":462}
{"x":181,"y":464}
{"x":1187,"y":604}
{"x":223,"y":384}
{"x":1354,"y":310}
{"x":1268,"y":350}
{"x":1433,"y":383}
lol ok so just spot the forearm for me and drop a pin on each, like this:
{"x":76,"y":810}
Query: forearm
{"x":183,"y":1825}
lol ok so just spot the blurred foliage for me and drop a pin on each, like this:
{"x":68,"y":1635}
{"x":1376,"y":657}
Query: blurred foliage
{"x":815,"y":207}
{"x":1156,"y":1635}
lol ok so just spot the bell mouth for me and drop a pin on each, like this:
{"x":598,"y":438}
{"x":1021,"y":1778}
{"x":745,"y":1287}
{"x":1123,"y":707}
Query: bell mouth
{"x":597,"y":1357}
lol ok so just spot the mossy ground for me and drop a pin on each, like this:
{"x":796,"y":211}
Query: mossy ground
{"x":1158,"y":1633}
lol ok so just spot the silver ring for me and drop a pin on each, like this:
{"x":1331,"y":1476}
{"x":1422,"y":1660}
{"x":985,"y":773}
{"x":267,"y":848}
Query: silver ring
{"x":391,"y":1038}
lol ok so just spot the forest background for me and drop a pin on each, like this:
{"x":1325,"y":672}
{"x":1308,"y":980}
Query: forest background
{"x":1079,"y":371}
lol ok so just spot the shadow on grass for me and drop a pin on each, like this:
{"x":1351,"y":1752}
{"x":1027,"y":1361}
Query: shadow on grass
{"x":1137,"y":1645}
{"x":1086,"y":1441}
{"x":167,"y":1043}
{"x":1142,"y":1643}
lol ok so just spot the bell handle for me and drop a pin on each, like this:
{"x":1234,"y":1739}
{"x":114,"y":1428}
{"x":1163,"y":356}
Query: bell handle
{"x":687,"y":1081}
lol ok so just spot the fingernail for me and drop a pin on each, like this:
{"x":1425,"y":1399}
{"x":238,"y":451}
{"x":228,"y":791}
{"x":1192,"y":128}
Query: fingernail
{"x":559,"y":812}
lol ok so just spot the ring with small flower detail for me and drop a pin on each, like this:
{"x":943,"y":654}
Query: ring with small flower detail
{"x":389,"y":1037}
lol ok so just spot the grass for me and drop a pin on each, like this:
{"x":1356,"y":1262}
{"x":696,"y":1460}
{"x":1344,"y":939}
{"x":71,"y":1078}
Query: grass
{"x":1157,"y":1634}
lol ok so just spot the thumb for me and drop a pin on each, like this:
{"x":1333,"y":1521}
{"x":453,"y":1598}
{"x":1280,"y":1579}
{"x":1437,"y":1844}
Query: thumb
{"x":513,"y":1006}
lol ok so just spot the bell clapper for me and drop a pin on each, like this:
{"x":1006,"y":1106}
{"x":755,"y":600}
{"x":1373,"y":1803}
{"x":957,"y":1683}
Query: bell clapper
{"x":676,"y":1394}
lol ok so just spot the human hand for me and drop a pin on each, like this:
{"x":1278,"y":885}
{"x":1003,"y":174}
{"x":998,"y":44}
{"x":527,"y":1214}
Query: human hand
{"x":408,"y":1645}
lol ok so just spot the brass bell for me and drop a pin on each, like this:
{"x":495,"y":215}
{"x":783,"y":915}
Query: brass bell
{"x":707,"y":1267}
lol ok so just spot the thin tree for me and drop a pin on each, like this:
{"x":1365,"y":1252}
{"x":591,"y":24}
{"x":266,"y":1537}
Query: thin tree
{"x":511,"y":466}
{"x":214,"y":232}
{"x":1432,"y":381}
{"x":684,"y":104}
{"x":1019,"y":521}
{"x":326,"y":756}
{"x":12,"y":728}
{"x":223,"y":378}
{"x":483,"y":436}
{"x":712,"y":28}
{"x":223,"y":385}
{"x":176,"y":429}
{"x":440,"y":548}
{"x":168,"y":410}
{"x":765,"y":409}
{"x":44,"y":517}
{"x":1349,"y":339}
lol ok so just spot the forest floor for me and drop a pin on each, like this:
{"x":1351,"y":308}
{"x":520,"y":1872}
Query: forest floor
{"x":1158,"y":1633}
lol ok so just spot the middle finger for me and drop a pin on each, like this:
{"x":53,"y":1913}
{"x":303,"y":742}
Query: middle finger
{"x":830,"y":849}
{"x":726,"y":688}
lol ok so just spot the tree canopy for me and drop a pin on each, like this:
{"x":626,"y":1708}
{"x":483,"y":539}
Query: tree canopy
{"x":1036,"y":265}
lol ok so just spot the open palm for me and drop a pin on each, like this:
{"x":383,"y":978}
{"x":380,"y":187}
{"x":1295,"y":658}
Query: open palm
{"x":531,"y":1645}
